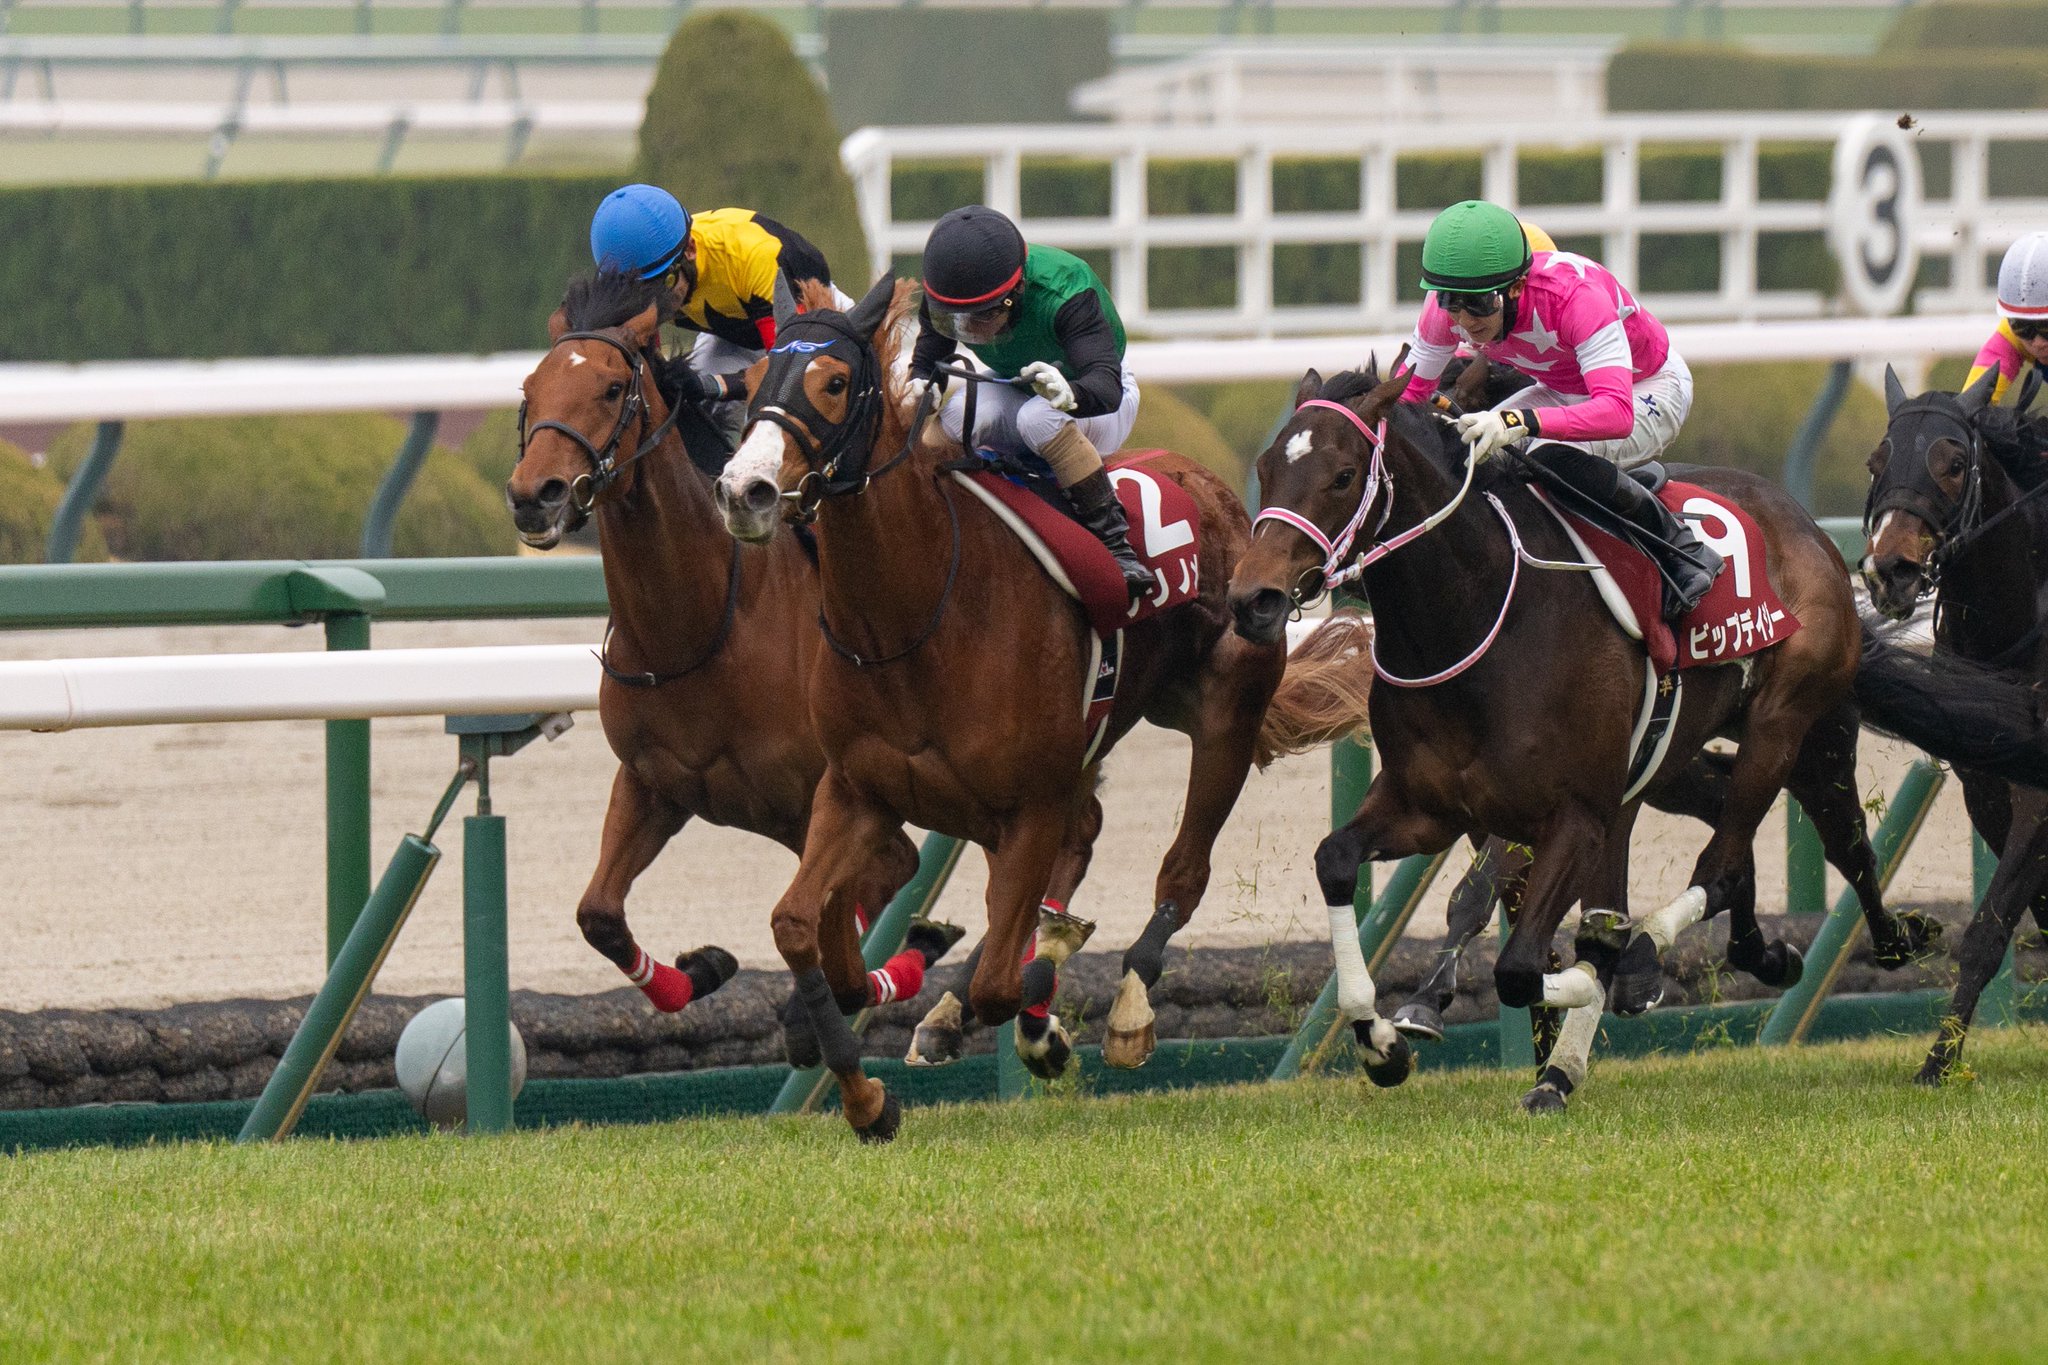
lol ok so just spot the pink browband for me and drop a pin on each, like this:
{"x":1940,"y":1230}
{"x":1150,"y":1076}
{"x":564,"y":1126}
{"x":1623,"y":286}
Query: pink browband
{"x":1336,"y":550}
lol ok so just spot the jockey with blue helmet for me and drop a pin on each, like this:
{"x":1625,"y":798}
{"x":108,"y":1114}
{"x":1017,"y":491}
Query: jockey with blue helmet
{"x":734,"y":274}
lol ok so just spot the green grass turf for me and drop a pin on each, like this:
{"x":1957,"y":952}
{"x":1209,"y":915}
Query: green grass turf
{"x":1727,"y":1206}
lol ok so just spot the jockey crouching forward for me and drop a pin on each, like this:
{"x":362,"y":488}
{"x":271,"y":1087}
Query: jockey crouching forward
{"x":1041,"y":315}
{"x":734,"y":274}
{"x":2022,"y":336}
{"x":1608,"y":392}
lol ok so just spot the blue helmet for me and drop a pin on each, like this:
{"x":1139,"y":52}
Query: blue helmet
{"x":639,"y":229}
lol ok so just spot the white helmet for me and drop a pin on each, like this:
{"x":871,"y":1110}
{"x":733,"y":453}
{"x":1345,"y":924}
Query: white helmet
{"x":2023,"y":279}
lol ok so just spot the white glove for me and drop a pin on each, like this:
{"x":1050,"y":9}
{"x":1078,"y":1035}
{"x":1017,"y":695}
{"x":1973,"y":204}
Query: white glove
{"x":1048,"y":383}
{"x":1487,"y":432}
{"x":915,"y":391}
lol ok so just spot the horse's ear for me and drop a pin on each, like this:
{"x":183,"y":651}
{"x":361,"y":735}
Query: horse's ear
{"x":874,"y":305}
{"x":645,"y":327}
{"x":1894,"y":391}
{"x":558,"y":324}
{"x":1977,"y":397}
{"x":1470,"y":390}
{"x":1311,"y":384}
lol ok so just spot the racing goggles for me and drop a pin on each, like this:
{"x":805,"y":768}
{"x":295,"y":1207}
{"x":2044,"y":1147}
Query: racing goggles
{"x":1481,"y":304}
{"x":974,"y":326}
{"x":2028,"y":331}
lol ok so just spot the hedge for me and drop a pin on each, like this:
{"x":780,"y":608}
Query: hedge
{"x":279,"y":488}
{"x":28,"y":504}
{"x":1647,"y":77}
{"x":1975,"y":25}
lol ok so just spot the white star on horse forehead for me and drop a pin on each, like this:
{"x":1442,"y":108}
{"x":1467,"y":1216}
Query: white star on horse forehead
{"x":1298,"y":445}
{"x":1537,"y":336}
{"x":578,"y":358}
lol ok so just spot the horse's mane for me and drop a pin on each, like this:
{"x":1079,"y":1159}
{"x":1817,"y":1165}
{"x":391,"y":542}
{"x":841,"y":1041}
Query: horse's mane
{"x":612,"y":298}
{"x":2018,"y":442}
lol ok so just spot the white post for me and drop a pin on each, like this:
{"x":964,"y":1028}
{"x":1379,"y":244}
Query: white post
{"x":1620,"y":197}
{"x":1127,"y":211}
{"x":1255,"y":238}
{"x":1738,"y":239}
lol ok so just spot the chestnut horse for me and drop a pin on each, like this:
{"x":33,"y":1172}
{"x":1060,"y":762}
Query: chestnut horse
{"x":711,"y":644}
{"x":1959,"y":505}
{"x":948,"y":688}
{"x":1527,"y":737}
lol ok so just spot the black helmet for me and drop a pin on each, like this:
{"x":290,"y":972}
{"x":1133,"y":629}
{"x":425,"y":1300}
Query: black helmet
{"x":973,"y":258}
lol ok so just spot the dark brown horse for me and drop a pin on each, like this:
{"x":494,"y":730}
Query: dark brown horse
{"x":947,"y":692}
{"x":711,"y":644}
{"x":1530,"y":741}
{"x":1957,"y":507}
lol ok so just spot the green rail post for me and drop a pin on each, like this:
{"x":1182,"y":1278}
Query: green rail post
{"x":397,"y":482}
{"x":486,"y":987}
{"x":1350,"y":779}
{"x":348,"y":981}
{"x":81,"y":493}
{"x":1013,"y":1082}
{"x":1517,"y":1031}
{"x":1794,"y":1013}
{"x":1379,"y":928}
{"x":1806,"y":868}
{"x":1998,"y":1006}
{"x":1813,"y":429}
{"x":801,"y":1092}
{"x":348,"y":799}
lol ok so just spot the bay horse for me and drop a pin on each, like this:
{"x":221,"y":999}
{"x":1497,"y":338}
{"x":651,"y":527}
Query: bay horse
{"x":1956,"y":508}
{"x":1528,"y":736}
{"x":947,"y":686}
{"x":709,"y":650}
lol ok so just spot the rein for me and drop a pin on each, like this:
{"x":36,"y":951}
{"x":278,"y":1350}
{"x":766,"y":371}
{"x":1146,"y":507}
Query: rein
{"x":605,"y":467}
{"x":732,"y":606}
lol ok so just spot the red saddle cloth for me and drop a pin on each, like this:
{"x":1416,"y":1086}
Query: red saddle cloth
{"x":1740,"y":615}
{"x":1165,"y":531}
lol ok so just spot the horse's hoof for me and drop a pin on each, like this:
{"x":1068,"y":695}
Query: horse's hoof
{"x":1783,"y":966}
{"x":1047,"y":1061}
{"x":1638,"y":982}
{"x":939,"y":1038}
{"x":1933,"y":1073}
{"x":1544,"y":1099}
{"x":799,"y":1039}
{"x":932,"y":938}
{"x":1129,"y":1039}
{"x":708,"y":968}
{"x":883,"y":1129}
{"x":1913,"y":936}
{"x":1060,"y":935}
{"x":1418,"y":1020}
{"x":1388,"y":1058}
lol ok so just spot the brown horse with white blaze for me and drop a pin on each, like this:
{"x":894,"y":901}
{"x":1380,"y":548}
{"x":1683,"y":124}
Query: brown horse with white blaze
{"x":947,"y":690}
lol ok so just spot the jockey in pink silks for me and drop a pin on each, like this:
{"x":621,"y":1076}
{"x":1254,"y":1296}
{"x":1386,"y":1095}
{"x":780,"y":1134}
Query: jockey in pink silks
{"x":1607,"y":392}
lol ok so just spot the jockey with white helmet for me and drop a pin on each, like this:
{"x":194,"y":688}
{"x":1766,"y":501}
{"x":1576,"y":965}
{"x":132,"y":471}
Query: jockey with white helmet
{"x":1608,"y":392}
{"x":2022,"y":336}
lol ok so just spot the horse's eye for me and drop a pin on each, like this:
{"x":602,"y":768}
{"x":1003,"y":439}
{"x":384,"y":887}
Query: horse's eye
{"x":1955,"y":467}
{"x":836,"y":385}
{"x":1345,"y":478}
{"x":613,"y":391}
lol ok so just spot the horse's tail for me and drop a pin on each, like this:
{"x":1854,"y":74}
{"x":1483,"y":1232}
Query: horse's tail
{"x":1326,"y":691}
{"x":1959,"y":711}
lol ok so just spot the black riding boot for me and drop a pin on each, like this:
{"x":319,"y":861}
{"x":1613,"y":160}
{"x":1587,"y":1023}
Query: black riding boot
{"x":1096,"y":504}
{"x":1689,"y":567}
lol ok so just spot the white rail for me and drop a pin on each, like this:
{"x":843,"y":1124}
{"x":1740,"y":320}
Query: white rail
{"x":446,"y":116}
{"x":1965,"y":227}
{"x":140,"y":390}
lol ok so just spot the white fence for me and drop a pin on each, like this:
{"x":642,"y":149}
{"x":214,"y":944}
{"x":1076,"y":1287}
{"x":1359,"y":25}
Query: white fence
{"x":1966,"y":227}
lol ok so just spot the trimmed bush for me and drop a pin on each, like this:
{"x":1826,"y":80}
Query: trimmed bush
{"x":734,"y":119}
{"x":493,"y":448}
{"x":1170,"y":422}
{"x":279,"y":488}
{"x":1744,"y":416}
{"x":28,"y":504}
{"x":1976,"y":25}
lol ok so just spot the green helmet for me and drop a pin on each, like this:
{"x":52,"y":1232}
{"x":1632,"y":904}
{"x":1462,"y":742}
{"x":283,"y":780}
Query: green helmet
{"x":1474,"y":246}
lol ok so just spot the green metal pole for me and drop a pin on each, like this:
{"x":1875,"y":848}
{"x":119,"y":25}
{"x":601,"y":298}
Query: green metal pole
{"x":1806,"y":868}
{"x":82,"y":492}
{"x":801,"y":1092}
{"x":1813,"y":429}
{"x":1350,"y":779}
{"x":486,"y":990}
{"x":1794,"y":1013}
{"x":1517,"y":1033}
{"x":348,"y":981}
{"x":397,"y":482}
{"x":1379,"y":928}
{"x":348,"y":800}
{"x":1012,"y":1080}
{"x":1998,"y":1006}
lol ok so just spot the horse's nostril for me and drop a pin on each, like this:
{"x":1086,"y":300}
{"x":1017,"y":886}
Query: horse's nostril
{"x":553,"y":493}
{"x":762,"y":496}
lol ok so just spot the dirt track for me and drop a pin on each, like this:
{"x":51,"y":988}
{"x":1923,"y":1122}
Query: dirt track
{"x":185,"y":862}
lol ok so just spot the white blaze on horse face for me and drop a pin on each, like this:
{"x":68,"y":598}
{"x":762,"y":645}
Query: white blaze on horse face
{"x":578,"y":358}
{"x":759,"y":457}
{"x":1298,"y":445}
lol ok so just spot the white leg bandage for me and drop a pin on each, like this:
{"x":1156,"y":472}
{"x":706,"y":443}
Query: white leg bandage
{"x":1663,"y":925}
{"x":1575,"y":986}
{"x":1356,"y":998}
{"x":1574,"y":1046}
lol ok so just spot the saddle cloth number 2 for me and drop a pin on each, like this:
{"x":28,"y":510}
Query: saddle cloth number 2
{"x":1158,"y":541}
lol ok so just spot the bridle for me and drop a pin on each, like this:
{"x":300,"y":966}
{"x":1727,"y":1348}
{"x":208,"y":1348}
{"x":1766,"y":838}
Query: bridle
{"x":1956,"y":522}
{"x":605,"y":466}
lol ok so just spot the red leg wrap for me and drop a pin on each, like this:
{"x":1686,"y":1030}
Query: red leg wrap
{"x":901,"y":977}
{"x":1039,"y":1011}
{"x":665,"y":987}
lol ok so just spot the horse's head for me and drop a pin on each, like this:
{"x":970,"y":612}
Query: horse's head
{"x":1926,"y":489}
{"x":589,"y":397}
{"x":1314,"y":480}
{"x":816,"y":413}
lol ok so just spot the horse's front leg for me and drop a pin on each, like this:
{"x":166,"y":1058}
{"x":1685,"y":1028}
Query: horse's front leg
{"x":1018,"y":868}
{"x":1386,"y":826}
{"x":1603,"y":935}
{"x":1568,"y":856}
{"x":638,"y":824}
{"x":848,"y":836}
{"x":2020,"y":881}
{"x":1494,"y":877}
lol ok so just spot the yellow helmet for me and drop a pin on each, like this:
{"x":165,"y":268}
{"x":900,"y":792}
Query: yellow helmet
{"x":1538,"y":239}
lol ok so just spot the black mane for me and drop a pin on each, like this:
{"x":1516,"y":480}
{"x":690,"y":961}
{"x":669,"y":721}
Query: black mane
{"x":2019,"y":443}
{"x":611,"y":298}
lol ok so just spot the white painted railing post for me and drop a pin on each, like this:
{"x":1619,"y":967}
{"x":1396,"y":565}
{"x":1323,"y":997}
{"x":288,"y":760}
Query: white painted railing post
{"x":1621,"y":203}
{"x":1739,"y":238}
{"x":1255,"y":253}
{"x":1127,"y":211}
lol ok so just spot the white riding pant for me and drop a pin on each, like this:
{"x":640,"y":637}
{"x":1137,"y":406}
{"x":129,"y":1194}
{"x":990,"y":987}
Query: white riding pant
{"x":1010,"y":419}
{"x":1663,"y":399}
{"x":715,"y":355}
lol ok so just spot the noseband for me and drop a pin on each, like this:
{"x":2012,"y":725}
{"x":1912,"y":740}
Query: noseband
{"x":605,"y":466}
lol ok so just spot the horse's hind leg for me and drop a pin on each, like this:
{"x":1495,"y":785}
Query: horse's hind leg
{"x":1823,"y":781}
{"x":1497,"y":867}
{"x":2021,"y":881}
{"x":637,"y":825}
{"x":1238,"y":682}
{"x":1565,"y":1044}
{"x":1018,"y":869}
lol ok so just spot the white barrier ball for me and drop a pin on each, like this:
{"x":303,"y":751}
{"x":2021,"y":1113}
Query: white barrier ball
{"x":433,"y":1067}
